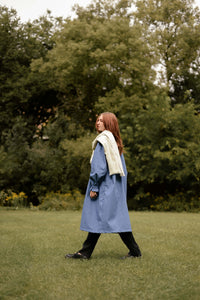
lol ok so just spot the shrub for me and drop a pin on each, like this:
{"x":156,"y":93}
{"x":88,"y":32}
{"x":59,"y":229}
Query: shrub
{"x":57,"y":201}
{"x":178,"y":202}
{"x":11,"y":199}
{"x":167,"y":202}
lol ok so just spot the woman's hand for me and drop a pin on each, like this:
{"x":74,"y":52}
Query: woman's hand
{"x":93,"y":195}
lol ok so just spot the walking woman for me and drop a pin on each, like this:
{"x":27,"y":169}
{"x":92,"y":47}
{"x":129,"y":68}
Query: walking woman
{"x":105,"y":206}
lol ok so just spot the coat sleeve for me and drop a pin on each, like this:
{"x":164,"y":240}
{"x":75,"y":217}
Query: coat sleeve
{"x":98,"y":168}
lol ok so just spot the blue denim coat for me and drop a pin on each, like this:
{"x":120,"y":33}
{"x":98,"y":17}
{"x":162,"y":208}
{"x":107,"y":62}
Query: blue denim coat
{"x":108,"y":213}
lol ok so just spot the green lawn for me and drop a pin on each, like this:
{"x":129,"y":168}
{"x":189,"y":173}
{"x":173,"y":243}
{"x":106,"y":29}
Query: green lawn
{"x":32,"y":263}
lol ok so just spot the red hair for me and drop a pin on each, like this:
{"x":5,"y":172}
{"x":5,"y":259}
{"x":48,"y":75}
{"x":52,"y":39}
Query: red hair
{"x":111,"y":123}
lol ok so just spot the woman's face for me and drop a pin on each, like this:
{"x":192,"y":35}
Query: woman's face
{"x":100,"y":125}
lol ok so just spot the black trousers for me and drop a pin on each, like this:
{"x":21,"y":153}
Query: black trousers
{"x":127,"y":238}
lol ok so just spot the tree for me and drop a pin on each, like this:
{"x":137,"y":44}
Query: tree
{"x":100,"y":61}
{"x":57,"y":75}
{"x":19,"y":45}
{"x":12,"y":70}
{"x":20,"y":115}
{"x":95,"y":54}
{"x":173,"y":30}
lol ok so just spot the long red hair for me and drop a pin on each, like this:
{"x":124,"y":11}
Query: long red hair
{"x":111,"y":123}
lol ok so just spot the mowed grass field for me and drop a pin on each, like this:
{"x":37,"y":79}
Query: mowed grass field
{"x":32,"y":263}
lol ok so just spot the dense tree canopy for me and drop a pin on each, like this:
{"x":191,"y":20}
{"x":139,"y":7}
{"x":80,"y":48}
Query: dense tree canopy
{"x":56,"y":75}
{"x":173,"y":29}
{"x":93,"y":57}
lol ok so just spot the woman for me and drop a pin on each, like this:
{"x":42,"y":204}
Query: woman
{"x":105,"y":207}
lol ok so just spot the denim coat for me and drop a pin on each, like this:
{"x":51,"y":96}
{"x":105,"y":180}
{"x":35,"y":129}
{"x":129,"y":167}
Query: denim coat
{"x":108,"y":213}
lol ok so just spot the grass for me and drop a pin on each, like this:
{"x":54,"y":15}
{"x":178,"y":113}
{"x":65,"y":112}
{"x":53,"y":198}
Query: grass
{"x":33,"y":245}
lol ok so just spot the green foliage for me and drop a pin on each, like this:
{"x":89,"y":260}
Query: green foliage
{"x":172,"y":28}
{"x":47,"y":168}
{"x":94,"y":55}
{"x":19,"y":45}
{"x":163,"y":152}
{"x":22,"y":109}
{"x":166,"y":140}
{"x":14,"y":162}
{"x":77,"y":155}
{"x":57,"y":201}
{"x":180,"y":201}
{"x":161,"y":143}
{"x":11,"y":199}
{"x":56,"y":76}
